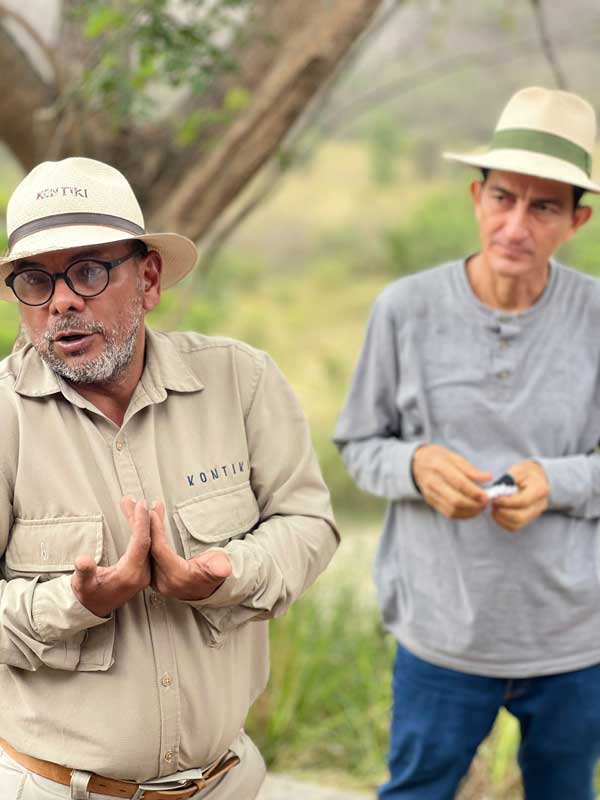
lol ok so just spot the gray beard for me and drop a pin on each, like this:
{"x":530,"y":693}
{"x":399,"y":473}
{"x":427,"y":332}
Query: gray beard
{"x":118,"y":352}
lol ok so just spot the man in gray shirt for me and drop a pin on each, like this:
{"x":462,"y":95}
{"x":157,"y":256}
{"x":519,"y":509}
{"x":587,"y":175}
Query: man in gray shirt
{"x":476,"y":369}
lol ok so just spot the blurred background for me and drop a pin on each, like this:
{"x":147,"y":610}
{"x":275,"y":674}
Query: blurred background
{"x":299,"y":231}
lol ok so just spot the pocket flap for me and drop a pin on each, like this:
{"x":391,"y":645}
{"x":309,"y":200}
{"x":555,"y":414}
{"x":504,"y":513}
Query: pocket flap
{"x":220,"y":516}
{"x":52,"y":545}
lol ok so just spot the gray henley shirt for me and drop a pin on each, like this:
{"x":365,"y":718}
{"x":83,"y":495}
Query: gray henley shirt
{"x":437,"y":366}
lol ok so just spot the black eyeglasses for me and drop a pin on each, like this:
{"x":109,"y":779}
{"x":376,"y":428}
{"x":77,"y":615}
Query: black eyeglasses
{"x":88,"y":277}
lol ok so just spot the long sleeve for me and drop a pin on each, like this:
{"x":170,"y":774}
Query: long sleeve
{"x":574,"y":484}
{"x":369,"y":429}
{"x":40,"y":623}
{"x":296,"y":535}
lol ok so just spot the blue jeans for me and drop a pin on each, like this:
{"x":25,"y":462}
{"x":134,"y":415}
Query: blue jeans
{"x":440,"y":717}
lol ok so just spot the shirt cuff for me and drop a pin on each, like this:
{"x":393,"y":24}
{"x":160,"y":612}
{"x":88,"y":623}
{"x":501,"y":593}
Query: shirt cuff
{"x":569,"y":481}
{"x":239,"y":585}
{"x":56,"y":612}
{"x":407,"y":488}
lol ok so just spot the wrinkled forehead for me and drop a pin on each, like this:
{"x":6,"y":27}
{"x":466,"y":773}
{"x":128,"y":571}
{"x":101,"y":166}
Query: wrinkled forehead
{"x":530,"y":186}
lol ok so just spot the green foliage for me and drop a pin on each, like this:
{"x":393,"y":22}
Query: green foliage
{"x":101,"y":19}
{"x":386,"y":144}
{"x":236,"y":99}
{"x":582,"y":251}
{"x":327,"y":706}
{"x":9,"y":326}
{"x":141,"y":43}
{"x":442,"y":228}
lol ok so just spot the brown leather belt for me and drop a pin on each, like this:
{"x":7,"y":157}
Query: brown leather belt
{"x":116,"y":788}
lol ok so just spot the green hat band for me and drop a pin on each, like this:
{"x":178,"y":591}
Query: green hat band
{"x":546,"y":143}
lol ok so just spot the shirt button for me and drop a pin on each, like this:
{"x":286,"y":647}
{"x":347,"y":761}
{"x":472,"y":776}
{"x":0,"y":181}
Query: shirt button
{"x":169,"y":756}
{"x":504,"y":343}
{"x":119,"y":445}
{"x":166,"y":681}
{"x":504,"y":374}
{"x":156,"y":600}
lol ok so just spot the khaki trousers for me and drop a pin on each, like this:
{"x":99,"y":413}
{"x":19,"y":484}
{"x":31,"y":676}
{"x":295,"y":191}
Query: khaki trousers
{"x":240,"y":783}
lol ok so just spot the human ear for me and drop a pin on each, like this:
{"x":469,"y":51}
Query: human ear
{"x":151,"y":277}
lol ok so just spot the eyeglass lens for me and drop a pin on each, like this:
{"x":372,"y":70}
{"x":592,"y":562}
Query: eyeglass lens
{"x":85,"y":278}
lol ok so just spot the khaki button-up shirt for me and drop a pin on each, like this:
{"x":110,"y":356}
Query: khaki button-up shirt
{"x":214,"y":431}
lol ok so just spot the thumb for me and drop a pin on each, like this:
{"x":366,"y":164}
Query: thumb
{"x":478,"y":475}
{"x":85,"y":571}
{"x":217,"y":565}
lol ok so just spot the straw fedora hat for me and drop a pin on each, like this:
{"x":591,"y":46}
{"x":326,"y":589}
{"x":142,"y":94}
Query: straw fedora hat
{"x":79,"y":202}
{"x":542,"y":132}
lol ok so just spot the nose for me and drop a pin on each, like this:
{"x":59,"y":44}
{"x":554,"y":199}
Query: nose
{"x":65,"y":299}
{"x":516,"y":222}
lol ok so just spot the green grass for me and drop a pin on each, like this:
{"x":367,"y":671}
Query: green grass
{"x":327,"y":706}
{"x":325,"y":713}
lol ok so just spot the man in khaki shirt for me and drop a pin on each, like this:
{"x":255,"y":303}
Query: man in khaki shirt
{"x":160,"y":500}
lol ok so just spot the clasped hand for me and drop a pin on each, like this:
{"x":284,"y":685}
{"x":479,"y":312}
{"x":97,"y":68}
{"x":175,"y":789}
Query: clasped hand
{"x":450,"y":484}
{"x":148,"y":561}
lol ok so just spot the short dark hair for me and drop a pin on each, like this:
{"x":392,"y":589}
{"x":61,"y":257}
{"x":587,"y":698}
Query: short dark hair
{"x":141,"y":247}
{"x":578,"y":192}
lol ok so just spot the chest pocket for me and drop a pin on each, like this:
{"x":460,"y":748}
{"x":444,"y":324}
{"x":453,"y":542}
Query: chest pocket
{"x":213,"y":521}
{"x":47,"y":548}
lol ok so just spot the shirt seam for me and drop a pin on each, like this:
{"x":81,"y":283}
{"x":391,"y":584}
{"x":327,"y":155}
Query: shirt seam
{"x":259,"y":372}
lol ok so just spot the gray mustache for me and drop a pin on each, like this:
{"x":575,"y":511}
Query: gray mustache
{"x":73,"y":323}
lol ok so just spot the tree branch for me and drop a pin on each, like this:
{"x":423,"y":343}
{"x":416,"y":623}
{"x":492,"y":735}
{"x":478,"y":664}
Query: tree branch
{"x":48,"y":52}
{"x":339,"y":118}
{"x":559,"y":75}
{"x":308,"y":57}
{"x":24,"y":95}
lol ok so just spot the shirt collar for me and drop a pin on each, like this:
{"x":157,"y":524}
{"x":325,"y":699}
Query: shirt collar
{"x":164,"y":370}
{"x":35,"y":378}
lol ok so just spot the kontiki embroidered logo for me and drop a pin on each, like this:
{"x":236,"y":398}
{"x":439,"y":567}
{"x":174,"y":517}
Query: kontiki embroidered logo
{"x":62,"y":191}
{"x":216,"y":473}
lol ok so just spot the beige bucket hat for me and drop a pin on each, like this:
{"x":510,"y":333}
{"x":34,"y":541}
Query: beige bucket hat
{"x":79,"y":202}
{"x":542,"y":132}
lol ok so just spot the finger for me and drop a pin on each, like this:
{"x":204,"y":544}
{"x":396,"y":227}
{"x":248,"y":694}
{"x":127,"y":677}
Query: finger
{"x":506,"y":525}
{"x":453,"y":470}
{"x":515,"y":520}
{"x":518,"y":501}
{"x":472,"y":472}
{"x":159,"y":507}
{"x":458,"y":490}
{"x":139,"y":542}
{"x":509,"y":522}
{"x":128,"y":507}
{"x":454,"y":510}
{"x":528,"y":495}
{"x":162,"y":552}
{"x":469,"y":489}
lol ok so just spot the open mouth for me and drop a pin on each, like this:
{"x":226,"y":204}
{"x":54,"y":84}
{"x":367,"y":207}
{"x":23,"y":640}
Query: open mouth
{"x":71,"y":340}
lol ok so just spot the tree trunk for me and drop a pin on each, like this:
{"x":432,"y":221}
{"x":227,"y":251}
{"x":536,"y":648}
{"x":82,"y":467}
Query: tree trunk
{"x":322,"y":34}
{"x":290,"y":49}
